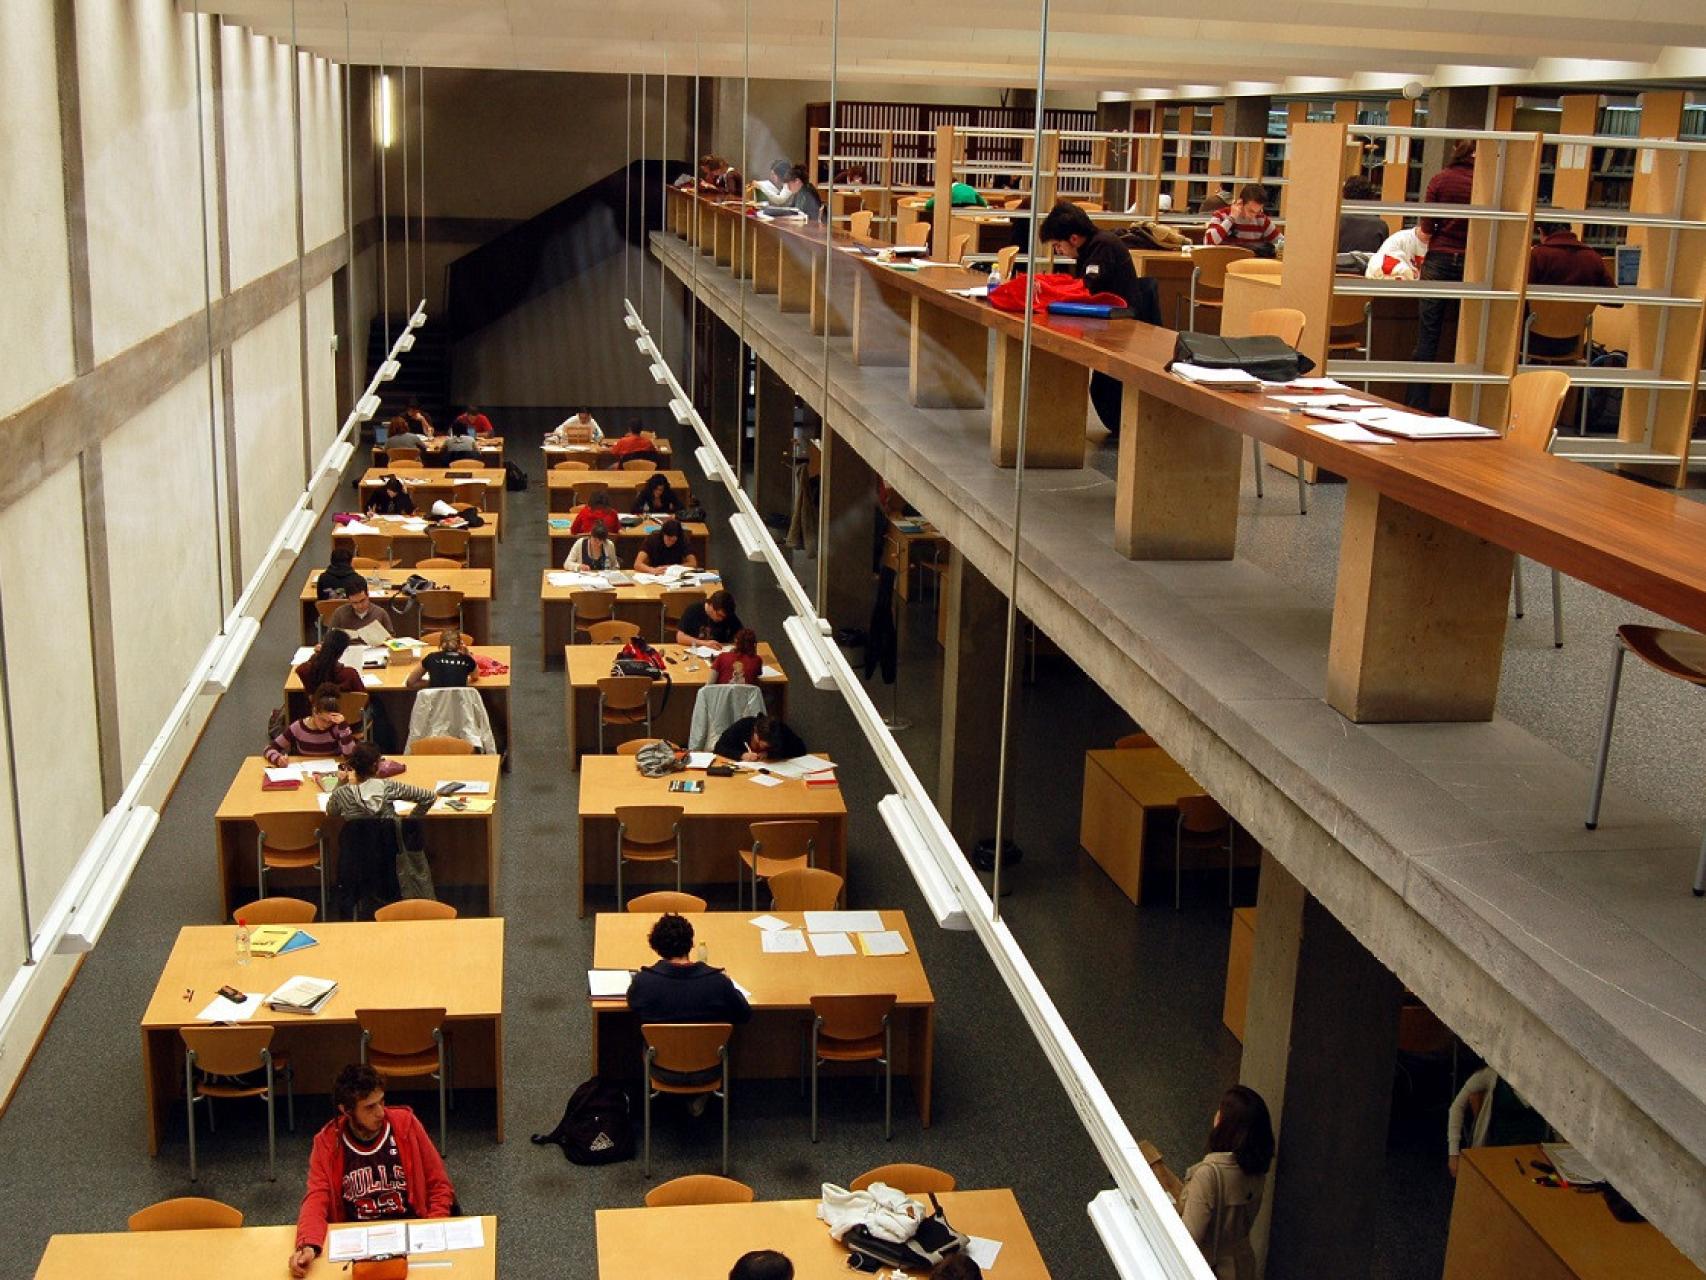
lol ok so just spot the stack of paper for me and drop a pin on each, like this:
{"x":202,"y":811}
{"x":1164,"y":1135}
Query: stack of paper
{"x":831,"y":944}
{"x":394,"y":1239}
{"x":608,"y":984}
{"x":785,"y":941}
{"x":1225,"y":379}
{"x":1411,"y":426}
{"x":223,"y":1010}
{"x":844,"y":921}
{"x":885,"y":942}
{"x":302,"y":995}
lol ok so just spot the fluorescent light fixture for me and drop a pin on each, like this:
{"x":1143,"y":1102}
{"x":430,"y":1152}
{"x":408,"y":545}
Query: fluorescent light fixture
{"x":643,"y":342}
{"x":406,"y":342}
{"x":633,"y":323}
{"x":807,"y":645}
{"x":338,"y":458}
{"x":389,"y":370}
{"x":223,"y":669}
{"x":709,"y":463}
{"x":660,"y":375}
{"x":683,"y":414}
{"x":384,"y":110}
{"x":751,"y":543}
{"x":418,"y":320}
{"x":902,"y":820}
{"x":1131,"y":1253}
{"x":368,"y":406}
{"x":127,"y":837}
{"x":296,"y":532}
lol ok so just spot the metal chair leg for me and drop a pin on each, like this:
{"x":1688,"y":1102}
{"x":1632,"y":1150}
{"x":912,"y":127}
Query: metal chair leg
{"x":1302,"y":491}
{"x":646,"y":1088}
{"x":1516,"y":586}
{"x":290,"y":1095}
{"x":816,"y":1023}
{"x":619,"y":861}
{"x":189,"y":1105}
{"x":723,"y":1053}
{"x":678,"y":857}
{"x":320,"y":844}
{"x":1256,"y":453}
{"x":888,"y":1080}
{"x":1557,"y":610}
{"x":1605,"y":734}
{"x":1700,"y":871}
{"x":272,"y":1120}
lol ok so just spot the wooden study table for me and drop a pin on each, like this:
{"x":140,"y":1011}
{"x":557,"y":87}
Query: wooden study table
{"x":587,"y":664}
{"x":714,"y":823}
{"x":1503,"y":1224}
{"x":427,"y":485}
{"x":911,"y":542}
{"x":628,"y":538}
{"x":489,"y":448}
{"x":403,"y":965}
{"x":474,"y":584}
{"x":622,"y":486}
{"x":463,"y":848}
{"x":221,"y":1253}
{"x":411,"y":542}
{"x":782,"y":988}
{"x":1122,"y":787}
{"x":639,"y":603}
{"x":701,"y":1242}
{"x":388,"y":686}
{"x":599,"y":454}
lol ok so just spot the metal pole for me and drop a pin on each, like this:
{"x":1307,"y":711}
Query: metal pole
{"x":420,"y":176}
{"x":349,"y":202}
{"x":403,"y":146}
{"x":12,"y":777}
{"x":628,"y":195}
{"x":207,"y":319}
{"x":663,"y":180}
{"x":641,"y":273}
{"x":384,"y":222}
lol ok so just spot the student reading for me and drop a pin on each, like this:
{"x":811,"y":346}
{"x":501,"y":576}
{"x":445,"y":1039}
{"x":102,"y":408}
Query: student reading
{"x":713,"y":620}
{"x":664,"y":547}
{"x":679,"y":988}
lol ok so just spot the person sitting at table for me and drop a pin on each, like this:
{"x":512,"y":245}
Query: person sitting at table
{"x":739,"y":664}
{"x":322,"y":732}
{"x":596,"y":511}
{"x":1360,"y":232}
{"x":593,"y":553}
{"x":1223,"y":1191}
{"x":418,"y":420}
{"x":755,"y":739}
{"x":1561,"y":258}
{"x":339,"y":577}
{"x":1501,"y":1117}
{"x":1400,"y":256}
{"x":358,"y":612}
{"x":665,"y":546}
{"x":679,"y":988}
{"x":774,"y":189}
{"x":459,"y":443}
{"x":370,"y":1163}
{"x":656,"y":497}
{"x":961,"y":195}
{"x":1245,"y":221}
{"x":633,"y":443}
{"x":450,"y":666}
{"x":802,"y":195}
{"x":479,"y":423}
{"x":579,"y":420}
{"x":711,"y":620}
{"x":391,"y":499}
{"x":762,"y":1264}
{"x":957,"y":1266}
{"x":326,"y":666}
{"x":400,"y":435}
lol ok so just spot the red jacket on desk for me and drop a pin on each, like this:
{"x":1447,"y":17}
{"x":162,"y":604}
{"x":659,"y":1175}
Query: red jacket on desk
{"x":1560,"y":258}
{"x":428,"y":1188}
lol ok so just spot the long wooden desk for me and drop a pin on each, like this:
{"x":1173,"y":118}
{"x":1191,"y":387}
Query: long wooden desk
{"x":1502,"y":1224}
{"x":639,"y":603}
{"x":782,"y":987}
{"x":587,"y":664}
{"x":489,"y":448}
{"x":701,"y":1242}
{"x":223,"y":1253}
{"x":388,"y":687}
{"x":463,"y":848}
{"x":623,"y":485}
{"x":411,"y":543}
{"x":1121,"y":789}
{"x":408,"y":964}
{"x":427,"y":485}
{"x":599,"y":455}
{"x":474,"y":584}
{"x":628,"y":538}
{"x":714,"y":823}
{"x":1418,"y":516}
{"x":911,"y":543}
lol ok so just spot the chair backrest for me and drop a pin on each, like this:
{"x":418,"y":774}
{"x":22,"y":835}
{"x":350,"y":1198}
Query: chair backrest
{"x":227,"y":1051}
{"x":648,"y":823}
{"x":405,"y":464}
{"x":676,"y":603}
{"x":449,"y":542}
{"x":1004,"y":260}
{"x":1284,"y":323}
{"x":957,"y":246}
{"x":592,"y":606}
{"x":699,"y":1188}
{"x":860,"y":224}
{"x":399,"y":1030}
{"x":469,"y":493}
{"x":584,"y":489}
{"x":917,"y":233}
{"x":664,"y":901}
{"x":439,"y":604}
{"x":686,"y":1046}
{"x":1202,"y":813}
{"x":441,"y":745}
{"x":1347,"y":309}
{"x":276,"y":911}
{"x":914,"y":1179}
{"x":615,"y":631}
{"x":351,"y":706}
{"x":632,"y":746}
{"x":188,"y":1213}
{"x":1560,"y":319}
{"x":808,"y":889}
{"x":361,"y":562}
{"x":432,"y":639}
{"x":1210,"y":263}
{"x":288,"y":829}
{"x":1133,"y":741}
{"x":1536,"y":400}
{"x":376,"y":545}
{"x":639,"y":464}
{"x":415,"y":909}
{"x":716,"y":707}
{"x":402,"y":453}
{"x":326,"y":608}
{"x":438,"y":562}
{"x":853,"y":1017}
{"x":572,"y":464}
{"x":625,"y":693}
{"x":793,"y":838}
{"x":468,"y":462}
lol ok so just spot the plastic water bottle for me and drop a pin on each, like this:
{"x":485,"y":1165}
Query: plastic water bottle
{"x":702,"y":952}
{"x":242,"y":941}
{"x":994,"y":278}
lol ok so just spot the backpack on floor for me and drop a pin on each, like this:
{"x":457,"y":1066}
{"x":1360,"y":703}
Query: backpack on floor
{"x":597,"y":1126}
{"x":515,"y":479}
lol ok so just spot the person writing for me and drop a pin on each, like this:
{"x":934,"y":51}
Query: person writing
{"x":755,"y":739}
{"x":475,"y":421}
{"x":339,"y":577}
{"x":358,"y":612}
{"x":459,"y":444}
{"x":762,"y":1264}
{"x":656,"y":497}
{"x":1400,"y":256}
{"x":634,"y":443}
{"x":322,"y":732}
{"x":580,"y":421}
{"x":680,"y":989}
{"x":594,"y":553}
{"x":418,"y":420}
{"x":370,"y":1163}
{"x":1244,"y":222}
{"x":391,"y":499}
{"x":1501,"y":1118}
{"x":325,"y":666}
{"x":739,"y":664}
{"x":450,"y":666}
{"x":712,"y":620}
{"x":664,"y":547}
{"x":802,"y":195}
{"x":1223,"y":1191}
{"x":774,"y":189}
{"x":1448,"y":240}
{"x":365,"y":788}
{"x":596,"y":511}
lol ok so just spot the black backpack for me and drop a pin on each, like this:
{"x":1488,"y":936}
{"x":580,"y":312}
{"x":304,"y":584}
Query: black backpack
{"x":597,"y":1126}
{"x":515,"y":479}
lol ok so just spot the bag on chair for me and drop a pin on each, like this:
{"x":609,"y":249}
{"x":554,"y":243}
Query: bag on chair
{"x":597,"y":1126}
{"x":658,"y":759}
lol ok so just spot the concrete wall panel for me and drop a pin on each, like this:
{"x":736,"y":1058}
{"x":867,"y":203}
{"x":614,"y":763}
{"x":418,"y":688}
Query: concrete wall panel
{"x":268,"y":400}
{"x":260,"y":181}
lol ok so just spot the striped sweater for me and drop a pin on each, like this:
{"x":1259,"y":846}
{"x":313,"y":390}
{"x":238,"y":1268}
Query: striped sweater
{"x":1224,"y":229}
{"x":299,"y":738}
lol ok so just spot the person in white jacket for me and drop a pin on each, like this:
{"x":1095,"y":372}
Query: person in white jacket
{"x":1501,"y":1117}
{"x":1399,"y":256}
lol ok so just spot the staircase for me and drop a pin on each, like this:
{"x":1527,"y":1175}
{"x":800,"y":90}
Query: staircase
{"x":425,"y":373}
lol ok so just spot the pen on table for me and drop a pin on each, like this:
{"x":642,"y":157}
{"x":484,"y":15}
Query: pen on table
{"x":189,"y":994}
{"x":1519,"y":1167}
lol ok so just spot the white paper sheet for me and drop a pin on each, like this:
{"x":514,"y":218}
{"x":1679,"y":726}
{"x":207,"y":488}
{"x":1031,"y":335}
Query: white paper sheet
{"x":371,"y":681}
{"x":744,"y":992}
{"x":768,"y":672}
{"x":1327,"y":401}
{"x":302,"y":655}
{"x":703,"y":651}
{"x":785,"y":942}
{"x":464,"y":1233}
{"x":472,"y":788}
{"x":700,"y":759}
{"x":608,"y":984}
{"x":844,"y":921}
{"x":765,"y":780}
{"x":317,"y":764}
{"x":387,"y":1238}
{"x":1207,"y":377}
{"x":322,"y":799}
{"x":769,"y":923}
{"x":222,"y":1010}
{"x":800,"y":766}
{"x":346,"y":1244}
{"x":289,"y":773}
{"x":983,"y":1251}
{"x":426,"y":1237}
{"x":1348,"y":433}
{"x":832,"y":944}
{"x":885,"y":942}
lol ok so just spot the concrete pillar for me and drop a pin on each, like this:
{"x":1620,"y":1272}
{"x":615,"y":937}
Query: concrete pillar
{"x":973,"y":663}
{"x":773,"y":444}
{"x":724,"y":418}
{"x":1320,"y":1037}
{"x":1463,"y":107}
{"x":848,"y":498}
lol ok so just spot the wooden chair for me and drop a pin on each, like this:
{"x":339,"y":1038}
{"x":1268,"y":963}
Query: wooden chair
{"x":1678,"y":654}
{"x":1348,"y":314}
{"x":1133,"y":741}
{"x":859,"y":224}
{"x":674,"y":604}
{"x":363,"y":562}
{"x":439,"y":562}
{"x":914,"y":1179}
{"x":615,"y":631}
{"x":647,"y":833}
{"x":432,"y":639}
{"x":441,"y":745}
{"x":410,"y":1044}
{"x":375,"y":546}
{"x":289,"y":841}
{"x":776,"y":847}
{"x":957,"y":247}
{"x":188,"y":1213}
{"x":663,"y":901}
{"x":353,"y":708}
{"x":854,"y":1029}
{"x":1089,"y":206}
{"x":585,"y":489}
{"x":572,"y":465}
{"x":587,"y":608}
{"x":468,"y":462}
{"x":405,"y":464}
{"x":469,"y":493}
{"x":639,"y":464}
{"x":1570,"y":322}
{"x":624,"y":702}
{"x":402,"y":453}
{"x":1004,"y":259}
{"x":415,"y":909}
{"x":700,"y":1188}
{"x":916,"y":234}
{"x":807,"y":889}
{"x":633,"y":746}
{"x":1208,"y":279}
{"x":275,"y":911}
{"x":440,"y":607}
{"x":680,"y":1050}
{"x":450,"y":544}
{"x":1286,"y":324}
{"x":216,"y":1060}
{"x":1202,"y":824}
{"x":1536,"y":401}
{"x":326,"y":608}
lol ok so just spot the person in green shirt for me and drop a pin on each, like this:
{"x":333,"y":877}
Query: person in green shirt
{"x":960,"y":195}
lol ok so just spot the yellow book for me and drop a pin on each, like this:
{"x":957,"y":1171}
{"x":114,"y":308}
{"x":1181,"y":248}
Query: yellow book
{"x":269,"y":939}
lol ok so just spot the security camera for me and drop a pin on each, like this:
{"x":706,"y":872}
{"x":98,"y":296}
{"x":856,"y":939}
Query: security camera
{"x":1414,"y":89}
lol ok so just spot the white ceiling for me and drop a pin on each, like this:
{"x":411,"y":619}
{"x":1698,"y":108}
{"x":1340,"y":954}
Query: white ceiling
{"x":1142,"y":47}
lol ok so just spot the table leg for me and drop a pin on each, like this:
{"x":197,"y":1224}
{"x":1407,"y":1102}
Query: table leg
{"x":157,"y":1065}
{"x":1177,"y":496}
{"x":571,"y":720}
{"x":949,"y":358}
{"x":882,"y":321}
{"x":924,"y":1063}
{"x":581,"y":859}
{"x":498,"y":1068}
{"x":1418,"y":616}
{"x":1060,"y":393}
{"x":494,"y":842}
{"x":795,"y":269}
